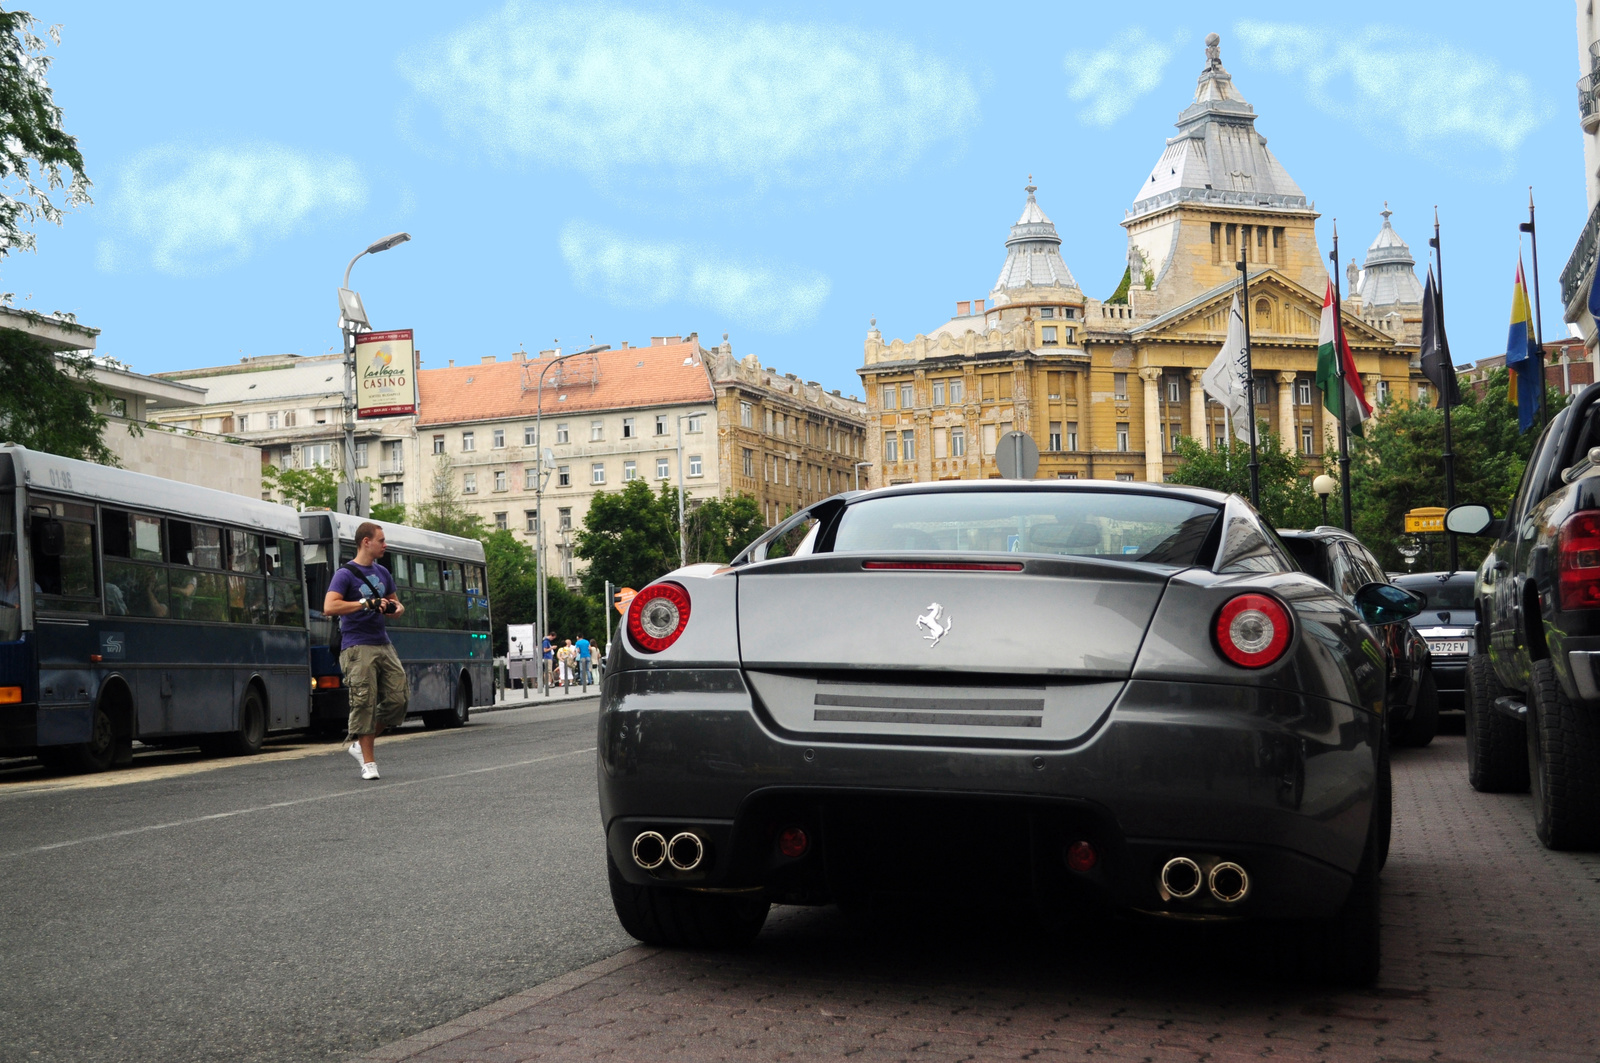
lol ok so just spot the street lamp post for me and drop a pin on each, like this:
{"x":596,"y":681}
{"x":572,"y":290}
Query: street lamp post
{"x":1324,"y":486}
{"x":683,"y":535}
{"x":857,"y":470}
{"x":351,"y":314}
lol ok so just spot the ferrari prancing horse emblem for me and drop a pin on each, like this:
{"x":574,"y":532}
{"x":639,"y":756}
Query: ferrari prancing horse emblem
{"x":929,"y":622}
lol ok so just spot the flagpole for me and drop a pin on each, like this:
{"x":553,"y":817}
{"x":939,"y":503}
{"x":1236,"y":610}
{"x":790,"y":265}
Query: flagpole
{"x":1338,"y":361}
{"x":1445,"y":398}
{"x":1538,"y":329}
{"x":1250,"y":383}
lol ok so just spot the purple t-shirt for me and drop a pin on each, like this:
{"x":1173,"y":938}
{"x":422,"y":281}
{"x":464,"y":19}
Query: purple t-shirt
{"x":363,"y":628}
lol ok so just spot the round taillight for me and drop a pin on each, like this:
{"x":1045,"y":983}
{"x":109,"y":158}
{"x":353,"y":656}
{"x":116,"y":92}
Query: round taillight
{"x":1081,"y":857}
{"x":1253,"y":630}
{"x":793,"y":843}
{"x":657,"y":616}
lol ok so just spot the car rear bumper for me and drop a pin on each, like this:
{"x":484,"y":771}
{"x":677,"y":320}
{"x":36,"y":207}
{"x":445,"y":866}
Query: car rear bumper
{"x":1280,"y":783}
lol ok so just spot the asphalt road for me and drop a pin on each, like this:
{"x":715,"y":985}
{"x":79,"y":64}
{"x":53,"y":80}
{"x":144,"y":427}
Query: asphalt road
{"x":278,"y":908}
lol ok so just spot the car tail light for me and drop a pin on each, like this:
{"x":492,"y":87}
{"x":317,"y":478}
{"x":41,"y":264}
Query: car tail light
{"x":657,"y":616}
{"x":942,"y":566}
{"x":327,"y":682}
{"x":793,"y":843}
{"x":1253,"y":630}
{"x":1578,"y":549}
{"x":1081,"y":857}
{"x":10,"y":695}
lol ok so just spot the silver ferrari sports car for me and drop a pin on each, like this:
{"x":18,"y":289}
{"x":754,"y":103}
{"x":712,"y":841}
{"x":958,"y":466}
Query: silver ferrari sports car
{"x":1070,"y":693}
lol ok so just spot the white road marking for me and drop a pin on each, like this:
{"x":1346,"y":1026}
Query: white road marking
{"x":381,"y":788}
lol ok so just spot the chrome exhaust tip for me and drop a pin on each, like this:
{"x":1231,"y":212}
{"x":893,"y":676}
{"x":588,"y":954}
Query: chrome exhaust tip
{"x":1229,"y":882}
{"x":1181,"y":878}
{"x":685,"y":851}
{"x":649,"y":850}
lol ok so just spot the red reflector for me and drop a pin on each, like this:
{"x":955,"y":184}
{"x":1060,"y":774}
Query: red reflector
{"x":1578,"y":560}
{"x":1081,"y":857}
{"x":657,"y":616}
{"x":1253,"y":630}
{"x":327,"y":682}
{"x":943,"y":566}
{"x":10,"y":695}
{"x":793,"y":842}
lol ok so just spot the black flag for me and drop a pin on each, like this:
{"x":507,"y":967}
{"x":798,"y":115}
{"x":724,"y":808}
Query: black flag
{"x":1436,"y":363}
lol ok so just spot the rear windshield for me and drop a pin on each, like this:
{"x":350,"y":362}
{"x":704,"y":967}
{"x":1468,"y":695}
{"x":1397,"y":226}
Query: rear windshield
{"x":1436,"y":595}
{"x":1124,"y":527}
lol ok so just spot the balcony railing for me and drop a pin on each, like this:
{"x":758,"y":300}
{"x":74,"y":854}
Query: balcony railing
{"x":1581,"y":262}
{"x":1594,"y":57}
{"x":1588,"y":104}
{"x":396,"y":467}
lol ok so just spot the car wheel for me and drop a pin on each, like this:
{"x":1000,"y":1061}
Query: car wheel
{"x":1497,"y":745}
{"x":1563,"y":751}
{"x":94,"y":755}
{"x":676,"y":918}
{"x":252,"y":731}
{"x":1419,"y":730}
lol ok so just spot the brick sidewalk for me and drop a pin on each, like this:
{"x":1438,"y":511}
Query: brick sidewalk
{"x":1490,"y":954}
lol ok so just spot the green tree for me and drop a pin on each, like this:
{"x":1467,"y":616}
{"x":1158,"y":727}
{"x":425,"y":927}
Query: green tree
{"x":628,"y":537}
{"x":34,"y":149}
{"x":1287,"y":500}
{"x":443,"y":511}
{"x":50,"y":401}
{"x":313,"y":488}
{"x":513,"y":587}
{"x":716,"y":528}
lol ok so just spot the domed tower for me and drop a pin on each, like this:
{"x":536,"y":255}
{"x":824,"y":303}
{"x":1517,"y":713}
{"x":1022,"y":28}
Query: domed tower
{"x":1389,"y":275}
{"x":1033,"y":258}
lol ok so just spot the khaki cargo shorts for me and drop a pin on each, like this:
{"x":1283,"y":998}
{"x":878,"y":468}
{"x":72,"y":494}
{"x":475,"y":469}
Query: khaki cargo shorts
{"x":375,"y":681}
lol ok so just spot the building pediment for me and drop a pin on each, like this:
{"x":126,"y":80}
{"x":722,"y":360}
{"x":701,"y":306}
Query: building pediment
{"x":1281,"y":310}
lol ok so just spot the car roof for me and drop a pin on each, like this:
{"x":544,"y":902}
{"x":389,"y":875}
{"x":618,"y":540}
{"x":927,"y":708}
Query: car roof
{"x":1322,"y":533}
{"x":1195,"y":494}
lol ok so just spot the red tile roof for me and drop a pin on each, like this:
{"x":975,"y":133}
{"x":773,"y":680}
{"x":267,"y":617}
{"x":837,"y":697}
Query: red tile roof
{"x":635,"y":376}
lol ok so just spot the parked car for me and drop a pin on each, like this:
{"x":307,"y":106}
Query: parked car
{"x":1339,"y":559}
{"x":1448,"y":621}
{"x":1078,"y":694}
{"x":1533,"y":690}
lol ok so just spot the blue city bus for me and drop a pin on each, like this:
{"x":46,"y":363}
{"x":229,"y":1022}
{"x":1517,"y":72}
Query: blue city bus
{"x":443,"y":636}
{"x":133,"y":607}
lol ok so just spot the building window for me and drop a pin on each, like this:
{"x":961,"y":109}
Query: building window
{"x":320,"y":416}
{"x":530,"y":478}
{"x":530,"y":519}
{"x":749,"y":462}
{"x":272,"y":420}
{"x":316,"y":455}
{"x":1124,"y":477}
{"x":1072,"y":435}
{"x":530,"y":436}
{"x":1047,"y":312}
{"x":696,"y":468}
{"x":694,"y":420}
{"x":938,"y":392}
{"x":243,"y":420}
{"x":746,"y":415}
{"x":1174,"y":389}
{"x":957,"y":392}
{"x":564,"y":519}
{"x":467,"y":442}
{"x":908,"y":445}
{"x":563,"y":476}
{"x":664,"y":468}
{"x":469,"y":483}
{"x":1053,"y":386}
{"x":1263,"y":307}
{"x":770,"y":430}
{"x":630,"y":471}
{"x":1307,"y":440}
{"x":1122,"y":436}
{"x":394,"y":494}
{"x":597,"y":431}
{"x":597,"y":473}
{"x":1119,"y":383}
{"x":889,"y":392}
{"x":1066,"y":311}
{"x":1174,"y":433}
{"x":891,"y":446}
{"x":500,"y":522}
{"x":1302,"y":392}
{"x":498,"y":440}
{"x":906,"y":401}
{"x":361,"y":455}
{"x":627,"y":428}
{"x":562,"y":435}
{"x":1263,"y":391}
{"x":1047,"y":335}
{"x":438,"y":444}
{"x":1066,"y":476}
{"x":288,"y":418}
{"x":958,"y":442}
{"x":499,"y":479}
{"x":1055,"y":435}
{"x":1383,"y":392}
{"x":661,"y":424}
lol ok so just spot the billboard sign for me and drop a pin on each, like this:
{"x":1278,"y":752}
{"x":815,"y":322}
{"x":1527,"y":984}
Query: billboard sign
{"x":386,"y":374}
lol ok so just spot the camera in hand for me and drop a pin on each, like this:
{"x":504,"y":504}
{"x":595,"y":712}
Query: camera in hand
{"x":378,"y":605}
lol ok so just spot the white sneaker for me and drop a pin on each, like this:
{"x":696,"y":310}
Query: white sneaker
{"x":369,"y":770}
{"x":355,"y":751}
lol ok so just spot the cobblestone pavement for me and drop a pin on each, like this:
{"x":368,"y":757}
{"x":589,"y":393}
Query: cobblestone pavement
{"x":1490,"y":954}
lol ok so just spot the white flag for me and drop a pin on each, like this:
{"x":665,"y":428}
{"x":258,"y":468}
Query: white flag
{"x":1227,"y":378}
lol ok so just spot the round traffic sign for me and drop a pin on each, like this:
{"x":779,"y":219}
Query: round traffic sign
{"x":1017,"y":455}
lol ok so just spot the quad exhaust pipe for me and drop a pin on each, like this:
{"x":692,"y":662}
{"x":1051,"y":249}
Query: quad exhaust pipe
{"x":685,"y":851}
{"x":1182,"y":877}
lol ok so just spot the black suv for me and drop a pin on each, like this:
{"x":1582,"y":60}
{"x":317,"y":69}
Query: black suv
{"x":1338,"y":559}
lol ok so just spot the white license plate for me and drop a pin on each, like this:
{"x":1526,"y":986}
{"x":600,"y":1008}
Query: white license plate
{"x":1458,"y":648}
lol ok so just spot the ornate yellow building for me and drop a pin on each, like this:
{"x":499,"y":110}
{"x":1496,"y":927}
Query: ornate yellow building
{"x":1106,"y":387}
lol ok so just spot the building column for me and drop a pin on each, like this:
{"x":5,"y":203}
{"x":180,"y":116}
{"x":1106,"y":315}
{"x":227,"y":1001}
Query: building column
{"x":1197,"y":408}
{"x":1154,"y":467}
{"x":1286,"y":423}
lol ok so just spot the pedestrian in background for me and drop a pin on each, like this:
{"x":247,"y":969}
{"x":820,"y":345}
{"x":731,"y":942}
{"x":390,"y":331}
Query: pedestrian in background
{"x":585,"y":676}
{"x":362,"y":595}
{"x":547,"y":657}
{"x":594,"y":660}
{"x":567,"y":654}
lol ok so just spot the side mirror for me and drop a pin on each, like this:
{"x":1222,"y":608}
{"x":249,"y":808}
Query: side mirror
{"x":1384,"y":603}
{"x":52,"y":541}
{"x":1471,"y":520}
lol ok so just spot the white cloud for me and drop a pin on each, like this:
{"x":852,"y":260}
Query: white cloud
{"x":1432,"y":96}
{"x":1111,"y":80}
{"x":189,"y":211}
{"x":639,"y":273}
{"x":705,"y":97}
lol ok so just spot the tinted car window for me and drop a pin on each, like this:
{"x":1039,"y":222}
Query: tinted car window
{"x":1435,"y":594}
{"x":1365,"y":565}
{"x":1124,"y":527}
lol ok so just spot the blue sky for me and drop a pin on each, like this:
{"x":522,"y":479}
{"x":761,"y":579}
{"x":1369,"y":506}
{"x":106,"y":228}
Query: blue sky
{"x":779,"y":174}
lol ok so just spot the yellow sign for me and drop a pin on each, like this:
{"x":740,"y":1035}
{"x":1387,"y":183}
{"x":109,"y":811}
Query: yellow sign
{"x":1425,"y":519}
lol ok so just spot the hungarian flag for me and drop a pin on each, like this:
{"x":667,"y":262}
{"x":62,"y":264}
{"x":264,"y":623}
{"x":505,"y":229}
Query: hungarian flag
{"x":1336,"y":370}
{"x":1524,"y":384}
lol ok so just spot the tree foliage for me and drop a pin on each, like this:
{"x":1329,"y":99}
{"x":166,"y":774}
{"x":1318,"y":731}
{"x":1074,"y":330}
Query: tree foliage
{"x":36,"y":155}
{"x":628,"y":537}
{"x":313,"y":488}
{"x":49,"y":401}
{"x":513,"y":596}
{"x":1287,"y":500}
{"x":443,"y":511}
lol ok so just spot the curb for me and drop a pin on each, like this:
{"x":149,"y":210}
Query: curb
{"x":500,"y":1009}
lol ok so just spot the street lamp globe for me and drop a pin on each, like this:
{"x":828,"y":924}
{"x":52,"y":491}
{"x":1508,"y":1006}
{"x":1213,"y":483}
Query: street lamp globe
{"x":1324,"y":485}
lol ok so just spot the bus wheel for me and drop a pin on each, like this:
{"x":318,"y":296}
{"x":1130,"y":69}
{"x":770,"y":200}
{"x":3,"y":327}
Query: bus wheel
{"x":91,"y":756}
{"x":252,"y":727}
{"x":463,"y":710}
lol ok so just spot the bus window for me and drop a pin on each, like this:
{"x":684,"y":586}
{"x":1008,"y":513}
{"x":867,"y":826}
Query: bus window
{"x":317,"y":574}
{"x":244,"y":552}
{"x":455,"y":612}
{"x":247,"y":600}
{"x":425,"y":573}
{"x":474,"y":579}
{"x":146,"y":538}
{"x":196,"y":545}
{"x":10,"y":589}
{"x":286,"y":603}
{"x":396,"y":564}
{"x":198,"y":595}
{"x":135,"y":590}
{"x":66,"y":581}
{"x":283,"y":557}
{"x":450,"y":575}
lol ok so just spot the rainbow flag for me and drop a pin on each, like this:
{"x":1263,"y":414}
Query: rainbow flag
{"x":1524,"y":367}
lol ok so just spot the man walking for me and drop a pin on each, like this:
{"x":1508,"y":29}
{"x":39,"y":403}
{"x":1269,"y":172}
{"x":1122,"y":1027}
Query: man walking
{"x":362,"y":595}
{"x":584,"y":675}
